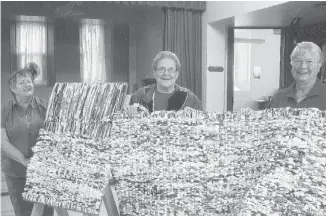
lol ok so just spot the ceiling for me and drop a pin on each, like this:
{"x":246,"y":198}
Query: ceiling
{"x":275,"y":16}
{"x":281,"y":15}
{"x":75,"y":10}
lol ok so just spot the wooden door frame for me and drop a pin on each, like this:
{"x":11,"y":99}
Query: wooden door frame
{"x":230,"y":69}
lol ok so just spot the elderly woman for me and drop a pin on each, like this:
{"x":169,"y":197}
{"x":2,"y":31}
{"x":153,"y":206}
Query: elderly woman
{"x":323,"y":68}
{"x":22,"y":118}
{"x":165,"y":94}
{"x":307,"y":91}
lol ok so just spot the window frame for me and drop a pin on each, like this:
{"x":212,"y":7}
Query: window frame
{"x":49,"y":76}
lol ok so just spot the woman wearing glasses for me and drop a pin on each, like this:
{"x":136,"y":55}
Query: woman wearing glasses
{"x":165,"y":94}
{"x":307,"y":91}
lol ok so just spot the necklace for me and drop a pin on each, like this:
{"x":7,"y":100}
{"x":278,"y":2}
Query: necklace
{"x":26,"y":120}
{"x":154,"y":101}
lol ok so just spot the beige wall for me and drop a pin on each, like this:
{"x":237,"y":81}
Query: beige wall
{"x":214,"y":86}
{"x":218,"y":10}
{"x":150,"y":43}
{"x":214,"y":46}
{"x":145,"y":40}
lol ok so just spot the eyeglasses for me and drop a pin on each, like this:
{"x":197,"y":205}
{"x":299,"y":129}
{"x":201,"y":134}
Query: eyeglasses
{"x":298,"y":62}
{"x":162,"y":70}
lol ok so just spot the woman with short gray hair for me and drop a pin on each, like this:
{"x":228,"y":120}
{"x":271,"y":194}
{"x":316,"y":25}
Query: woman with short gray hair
{"x":21,"y":119}
{"x":165,"y":94}
{"x":307,"y":91}
{"x":166,"y":54}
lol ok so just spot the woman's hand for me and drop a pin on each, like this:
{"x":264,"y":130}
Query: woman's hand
{"x":134,"y":109}
{"x":26,"y":162}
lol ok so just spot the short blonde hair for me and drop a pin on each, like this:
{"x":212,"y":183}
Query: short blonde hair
{"x":166,"y":54}
{"x":310,"y":47}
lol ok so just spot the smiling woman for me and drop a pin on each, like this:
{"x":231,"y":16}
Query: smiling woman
{"x":306,"y":62}
{"x":165,"y":94}
{"x":307,"y":91}
{"x":22,"y":117}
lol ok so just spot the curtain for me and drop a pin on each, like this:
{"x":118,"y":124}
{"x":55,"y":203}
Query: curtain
{"x":182,"y":34}
{"x":29,"y":43}
{"x":188,"y":5}
{"x":92,"y":46}
{"x":287,"y":46}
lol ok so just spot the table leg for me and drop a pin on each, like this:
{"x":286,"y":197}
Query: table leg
{"x":61,"y":211}
{"x":110,"y":202}
{"x":37,"y":209}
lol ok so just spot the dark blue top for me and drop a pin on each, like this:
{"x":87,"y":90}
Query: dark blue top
{"x":316,"y":98}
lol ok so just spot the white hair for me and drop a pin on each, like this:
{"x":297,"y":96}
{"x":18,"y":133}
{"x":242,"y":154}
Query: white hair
{"x":166,"y":54}
{"x":309,"y":47}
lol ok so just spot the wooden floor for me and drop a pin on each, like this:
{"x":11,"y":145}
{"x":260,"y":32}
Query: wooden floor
{"x":6,"y":207}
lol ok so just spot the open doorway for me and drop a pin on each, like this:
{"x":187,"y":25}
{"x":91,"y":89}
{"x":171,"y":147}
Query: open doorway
{"x":256,"y":67}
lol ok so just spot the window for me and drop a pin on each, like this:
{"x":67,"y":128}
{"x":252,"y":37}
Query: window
{"x":92,"y":47}
{"x":31,"y":44}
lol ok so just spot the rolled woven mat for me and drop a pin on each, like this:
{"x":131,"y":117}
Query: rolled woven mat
{"x":69,"y":168}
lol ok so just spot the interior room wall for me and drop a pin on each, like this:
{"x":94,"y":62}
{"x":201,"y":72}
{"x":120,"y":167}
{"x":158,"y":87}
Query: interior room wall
{"x":120,"y":52}
{"x":216,"y":19}
{"x":66,"y":55}
{"x":5,"y":58}
{"x":146,"y":40}
{"x":150,"y":43}
{"x":218,"y":10}
{"x":133,"y":49}
{"x":213,"y":82}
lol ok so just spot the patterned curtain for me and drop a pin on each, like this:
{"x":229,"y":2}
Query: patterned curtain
{"x":182,"y":34}
{"x":92,"y":46}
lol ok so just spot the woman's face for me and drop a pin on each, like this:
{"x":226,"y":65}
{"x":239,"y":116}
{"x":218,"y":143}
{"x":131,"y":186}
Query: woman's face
{"x":24,"y":85}
{"x":166,"y":73}
{"x":305,"y":66}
